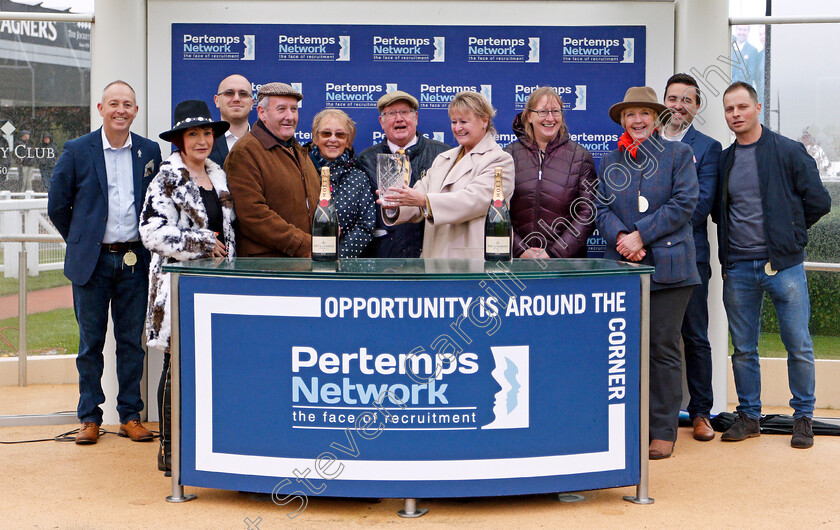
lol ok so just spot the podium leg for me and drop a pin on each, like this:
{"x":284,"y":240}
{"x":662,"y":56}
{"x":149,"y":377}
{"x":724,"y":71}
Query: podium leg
{"x":411,"y":511}
{"x":642,"y":494}
{"x":175,"y":431}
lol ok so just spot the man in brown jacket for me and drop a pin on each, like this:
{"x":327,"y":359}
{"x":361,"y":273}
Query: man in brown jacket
{"x":273,"y":182}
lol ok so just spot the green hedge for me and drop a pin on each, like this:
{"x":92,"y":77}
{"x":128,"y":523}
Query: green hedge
{"x":823,"y":287}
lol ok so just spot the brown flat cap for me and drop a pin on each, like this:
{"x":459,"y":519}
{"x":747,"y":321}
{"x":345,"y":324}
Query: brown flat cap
{"x":637,"y":96}
{"x":393,"y":97}
{"x":278,"y":89}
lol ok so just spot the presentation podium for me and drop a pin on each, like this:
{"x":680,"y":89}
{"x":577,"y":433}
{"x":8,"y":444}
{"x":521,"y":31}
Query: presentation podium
{"x":409,"y":378}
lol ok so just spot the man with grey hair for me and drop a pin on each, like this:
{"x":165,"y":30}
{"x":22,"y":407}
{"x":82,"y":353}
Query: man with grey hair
{"x":398,"y":118}
{"x":273,"y":182}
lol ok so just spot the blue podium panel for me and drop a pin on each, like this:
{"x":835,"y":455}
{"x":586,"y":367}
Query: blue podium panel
{"x":386,"y":388}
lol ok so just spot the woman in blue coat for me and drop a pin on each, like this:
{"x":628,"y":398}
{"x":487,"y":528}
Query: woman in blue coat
{"x":647,"y":191}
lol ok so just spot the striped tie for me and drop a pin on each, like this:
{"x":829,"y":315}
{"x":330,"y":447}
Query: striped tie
{"x":406,"y":167}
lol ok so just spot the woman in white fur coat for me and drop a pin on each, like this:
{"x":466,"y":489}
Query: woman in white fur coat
{"x":188,"y":214}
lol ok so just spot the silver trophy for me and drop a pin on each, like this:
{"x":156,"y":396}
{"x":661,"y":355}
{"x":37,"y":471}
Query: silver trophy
{"x":392,"y":171}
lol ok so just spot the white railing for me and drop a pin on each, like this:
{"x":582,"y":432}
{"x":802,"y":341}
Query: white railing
{"x":26,"y":214}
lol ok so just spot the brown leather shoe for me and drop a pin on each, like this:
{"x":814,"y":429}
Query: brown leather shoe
{"x":134,"y":429}
{"x":88,"y":433}
{"x":660,"y":449}
{"x":703,"y":429}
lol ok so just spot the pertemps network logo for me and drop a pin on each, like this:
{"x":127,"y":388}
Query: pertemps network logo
{"x":573,"y":96}
{"x":511,"y":409}
{"x":352,"y":96}
{"x":390,"y":48}
{"x":313,"y":47}
{"x":598,"y":50}
{"x":503,"y":49}
{"x":219,"y":47}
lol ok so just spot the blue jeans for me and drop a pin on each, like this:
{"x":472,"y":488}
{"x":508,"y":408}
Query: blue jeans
{"x":126,"y":291}
{"x":744,"y":285}
{"x":698,"y":351}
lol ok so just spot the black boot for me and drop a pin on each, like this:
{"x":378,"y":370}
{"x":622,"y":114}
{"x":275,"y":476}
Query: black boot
{"x":164,"y":457}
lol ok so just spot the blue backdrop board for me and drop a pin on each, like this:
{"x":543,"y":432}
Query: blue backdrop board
{"x":351,"y":66}
{"x":388,"y":388}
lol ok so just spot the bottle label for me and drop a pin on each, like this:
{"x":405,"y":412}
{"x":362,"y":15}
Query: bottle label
{"x":496,"y":245}
{"x":323,"y":245}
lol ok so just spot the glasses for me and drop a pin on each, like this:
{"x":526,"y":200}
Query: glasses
{"x":243,"y":94}
{"x":542,"y":113}
{"x":395,"y":113}
{"x":341,"y":135}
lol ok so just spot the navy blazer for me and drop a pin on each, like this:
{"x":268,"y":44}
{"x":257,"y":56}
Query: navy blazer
{"x":220,"y":151}
{"x":78,"y":198}
{"x":664,"y":174}
{"x":706,"y":159}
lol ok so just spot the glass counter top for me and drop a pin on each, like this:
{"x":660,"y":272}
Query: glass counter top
{"x":406,"y":269}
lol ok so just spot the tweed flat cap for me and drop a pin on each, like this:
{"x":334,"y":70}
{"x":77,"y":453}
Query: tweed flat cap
{"x":393,"y":97}
{"x":278,"y":89}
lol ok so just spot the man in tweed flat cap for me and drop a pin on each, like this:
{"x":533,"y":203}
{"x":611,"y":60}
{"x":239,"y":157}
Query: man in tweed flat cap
{"x":273,"y":182}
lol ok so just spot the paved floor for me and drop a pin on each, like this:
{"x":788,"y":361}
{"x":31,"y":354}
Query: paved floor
{"x":758,"y":483}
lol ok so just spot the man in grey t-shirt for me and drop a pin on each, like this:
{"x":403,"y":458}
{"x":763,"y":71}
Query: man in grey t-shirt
{"x":769,"y":194}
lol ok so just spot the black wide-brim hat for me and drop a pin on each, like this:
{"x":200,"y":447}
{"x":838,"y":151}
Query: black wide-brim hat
{"x":193,"y":113}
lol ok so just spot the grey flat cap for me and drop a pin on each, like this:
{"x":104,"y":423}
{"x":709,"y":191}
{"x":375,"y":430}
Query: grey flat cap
{"x":278,"y":89}
{"x":393,"y":97}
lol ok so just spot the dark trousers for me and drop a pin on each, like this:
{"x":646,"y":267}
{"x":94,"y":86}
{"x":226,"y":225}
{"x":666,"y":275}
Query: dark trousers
{"x":125,"y":289}
{"x":698,"y":351}
{"x":667,"y":307}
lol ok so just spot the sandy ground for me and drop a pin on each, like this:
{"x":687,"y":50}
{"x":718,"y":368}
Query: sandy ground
{"x":758,"y":483}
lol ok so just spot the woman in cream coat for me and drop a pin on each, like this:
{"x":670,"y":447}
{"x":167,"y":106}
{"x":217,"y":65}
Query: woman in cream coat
{"x":454,"y":196}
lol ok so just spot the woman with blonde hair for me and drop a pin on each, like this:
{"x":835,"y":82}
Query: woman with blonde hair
{"x":454,"y":196}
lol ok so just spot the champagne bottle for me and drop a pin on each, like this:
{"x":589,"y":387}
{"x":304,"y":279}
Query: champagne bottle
{"x":497,"y":225}
{"x":325,"y":223}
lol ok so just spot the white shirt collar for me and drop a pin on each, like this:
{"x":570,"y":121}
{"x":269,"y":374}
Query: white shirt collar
{"x":394,"y":147}
{"x":106,"y":145}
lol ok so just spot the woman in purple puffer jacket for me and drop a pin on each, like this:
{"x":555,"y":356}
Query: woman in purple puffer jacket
{"x":553,"y":204}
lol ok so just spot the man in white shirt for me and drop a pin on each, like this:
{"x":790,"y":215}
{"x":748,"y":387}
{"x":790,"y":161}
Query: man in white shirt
{"x":235,"y":100}
{"x":95,"y":198}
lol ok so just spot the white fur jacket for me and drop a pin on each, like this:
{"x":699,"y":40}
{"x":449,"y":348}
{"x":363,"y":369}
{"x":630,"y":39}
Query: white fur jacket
{"x":173,"y":226}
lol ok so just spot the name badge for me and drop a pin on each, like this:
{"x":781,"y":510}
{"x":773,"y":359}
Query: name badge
{"x":643,"y":204}
{"x":768,"y":269}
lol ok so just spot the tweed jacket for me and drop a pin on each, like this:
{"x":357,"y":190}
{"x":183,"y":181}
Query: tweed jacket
{"x":663,"y":173}
{"x":173,"y":226}
{"x":275,"y":189}
{"x":459,"y":195}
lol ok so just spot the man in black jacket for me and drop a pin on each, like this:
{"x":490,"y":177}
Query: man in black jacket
{"x":398,"y":117}
{"x":769,"y":194}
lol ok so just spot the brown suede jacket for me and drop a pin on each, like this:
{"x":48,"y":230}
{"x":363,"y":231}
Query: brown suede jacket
{"x":275,"y":192}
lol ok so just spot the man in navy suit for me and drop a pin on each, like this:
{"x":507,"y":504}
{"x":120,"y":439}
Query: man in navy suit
{"x":234,"y":99}
{"x":95,"y":199}
{"x":682,"y":97}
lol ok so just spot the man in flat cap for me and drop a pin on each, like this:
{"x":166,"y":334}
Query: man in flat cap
{"x":273,"y":182}
{"x":398,"y":118}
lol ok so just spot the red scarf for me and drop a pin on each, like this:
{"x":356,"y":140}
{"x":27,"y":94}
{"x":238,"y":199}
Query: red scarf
{"x":626,"y":143}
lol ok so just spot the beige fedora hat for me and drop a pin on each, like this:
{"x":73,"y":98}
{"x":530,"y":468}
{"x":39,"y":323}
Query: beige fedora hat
{"x":637,"y":96}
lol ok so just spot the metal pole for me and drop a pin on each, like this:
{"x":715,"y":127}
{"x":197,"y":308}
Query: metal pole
{"x":22,"y":316}
{"x":410,"y":510}
{"x":175,"y":367}
{"x":644,"y":397}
